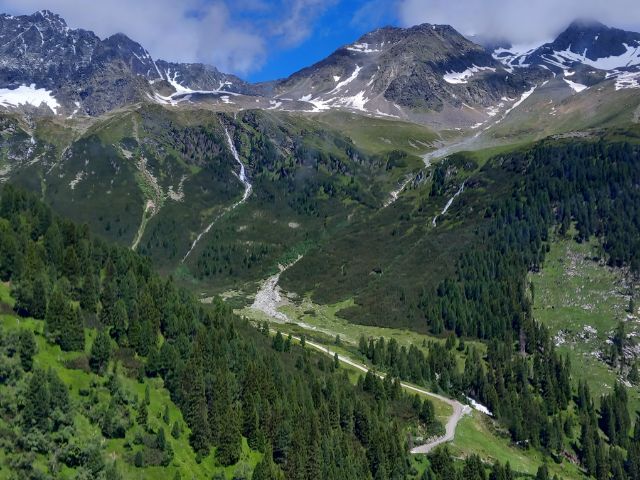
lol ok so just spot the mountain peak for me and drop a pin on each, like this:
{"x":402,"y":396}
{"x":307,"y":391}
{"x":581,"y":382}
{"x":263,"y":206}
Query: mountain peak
{"x":49,"y":16}
{"x":582,"y":24}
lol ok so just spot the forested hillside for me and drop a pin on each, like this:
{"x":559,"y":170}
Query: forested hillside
{"x":587,"y":189}
{"x":238,"y":397}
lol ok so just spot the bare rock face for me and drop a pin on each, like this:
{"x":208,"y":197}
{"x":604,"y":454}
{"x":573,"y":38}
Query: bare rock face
{"x":88,"y":75}
{"x":583,"y":44}
{"x":428,"y":73}
{"x":427,"y":67}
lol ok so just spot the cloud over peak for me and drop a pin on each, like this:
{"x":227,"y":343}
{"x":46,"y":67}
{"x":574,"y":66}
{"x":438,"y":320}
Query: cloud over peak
{"x":520,"y":21}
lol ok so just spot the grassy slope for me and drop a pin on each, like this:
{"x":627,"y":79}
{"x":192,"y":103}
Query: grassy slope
{"x":476,"y":434}
{"x":50,"y":356}
{"x":538,"y":117}
{"x":377,"y":135}
{"x":575,"y":293}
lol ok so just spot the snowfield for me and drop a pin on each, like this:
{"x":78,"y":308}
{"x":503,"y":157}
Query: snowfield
{"x":28,"y":95}
{"x":362,"y":48}
{"x":629,"y":58}
{"x":576,"y":87}
{"x":626,"y":80}
{"x":462,"y":77}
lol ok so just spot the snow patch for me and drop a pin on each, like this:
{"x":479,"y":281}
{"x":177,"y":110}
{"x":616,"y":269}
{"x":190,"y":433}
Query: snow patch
{"x":627,"y":80}
{"x":77,"y":180}
{"x":462,"y":77}
{"x":479,"y":407}
{"x":363,"y":48}
{"x":346,"y":82}
{"x":576,"y":87}
{"x":629,"y":58}
{"x":28,"y":95}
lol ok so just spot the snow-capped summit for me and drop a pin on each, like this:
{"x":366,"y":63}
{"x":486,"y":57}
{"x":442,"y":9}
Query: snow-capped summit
{"x":84,"y":74}
{"x":584,"y":43}
{"x":392,"y":70}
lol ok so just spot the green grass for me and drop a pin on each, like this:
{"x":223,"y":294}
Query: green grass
{"x":581,"y":301}
{"x":50,"y":356}
{"x":376,"y":135}
{"x":476,"y":434}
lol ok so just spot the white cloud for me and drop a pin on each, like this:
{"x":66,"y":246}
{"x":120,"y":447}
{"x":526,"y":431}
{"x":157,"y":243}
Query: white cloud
{"x":520,"y":21}
{"x":296,"y":24}
{"x":185,"y":30}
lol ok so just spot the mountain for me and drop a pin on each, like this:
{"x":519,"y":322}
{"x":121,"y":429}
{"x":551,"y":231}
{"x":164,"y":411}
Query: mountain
{"x":429,"y":74}
{"x":393,"y":71}
{"x":240,"y":265}
{"x":73,"y":71}
{"x":585,"y":45}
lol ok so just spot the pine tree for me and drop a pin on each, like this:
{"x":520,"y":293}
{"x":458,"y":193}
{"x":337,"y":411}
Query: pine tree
{"x":27,"y":348}
{"x":230,"y":442}
{"x":278,"y":342}
{"x":100,"y":352}
{"x":143,"y":414}
{"x":542,"y":473}
{"x":71,"y":330}
{"x":40,"y":296}
{"x":89,"y":294}
{"x":250,"y":427}
{"x":58,"y":392}
{"x":54,"y":245}
{"x":266,"y":469}
{"x":71,"y":264}
{"x":194,"y":405}
{"x":176,"y":431}
{"x":119,"y":322}
{"x":37,"y":402}
{"x":161,"y":440}
{"x":55,"y":316}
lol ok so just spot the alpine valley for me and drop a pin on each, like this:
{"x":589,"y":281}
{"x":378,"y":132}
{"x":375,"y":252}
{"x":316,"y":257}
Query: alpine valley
{"x":417,"y":258}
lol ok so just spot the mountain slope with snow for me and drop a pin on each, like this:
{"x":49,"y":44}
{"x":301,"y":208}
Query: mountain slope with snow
{"x":582,"y":44}
{"x":394,"y":71}
{"x":87,"y":75}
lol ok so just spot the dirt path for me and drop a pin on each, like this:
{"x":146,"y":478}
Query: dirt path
{"x":267,"y":301}
{"x":459,"y":410}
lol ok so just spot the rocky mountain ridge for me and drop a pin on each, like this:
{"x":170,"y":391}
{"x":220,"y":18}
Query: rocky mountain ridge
{"x":427,"y":73}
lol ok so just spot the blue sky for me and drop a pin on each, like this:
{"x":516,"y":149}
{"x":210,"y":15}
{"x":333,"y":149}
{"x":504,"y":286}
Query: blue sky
{"x":268,"y":39}
{"x":340,"y":23}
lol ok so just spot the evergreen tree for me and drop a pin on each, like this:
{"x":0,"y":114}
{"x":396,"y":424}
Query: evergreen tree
{"x":37,"y":402}
{"x":278,"y":342}
{"x":27,"y":349}
{"x":55,"y":315}
{"x":100,"y":352}
{"x":230,"y":443}
{"x":71,"y":336}
{"x":119,"y":322}
{"x":194,"y":405}
{"x":250,"y":425}
{"x":542,"y":473}
{"x":176,"y":431}
{"x":143,"y":414}
{"x":266,"y":469}
{"x":89,"y":293}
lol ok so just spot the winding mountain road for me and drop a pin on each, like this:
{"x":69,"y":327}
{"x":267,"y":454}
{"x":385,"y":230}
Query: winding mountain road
{"x":267,"y":301}
{"x":459,"y":409}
